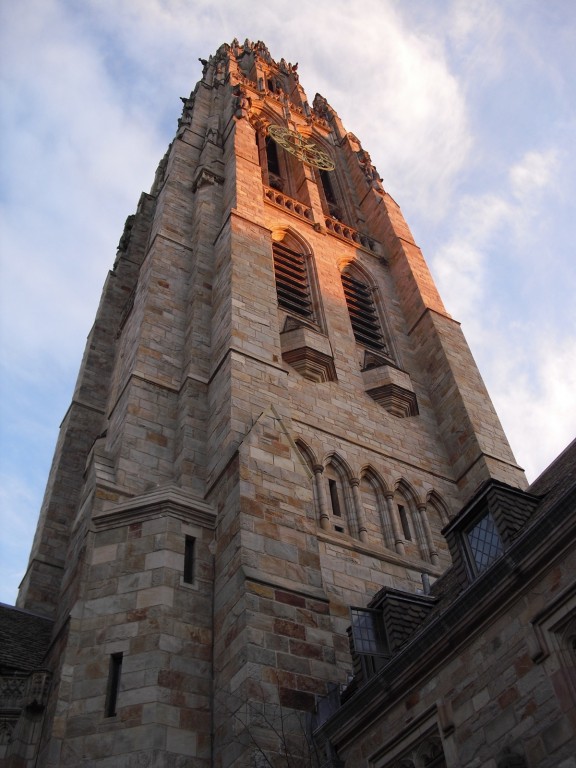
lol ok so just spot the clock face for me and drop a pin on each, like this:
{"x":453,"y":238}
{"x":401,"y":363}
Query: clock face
{"x":301,"y":147}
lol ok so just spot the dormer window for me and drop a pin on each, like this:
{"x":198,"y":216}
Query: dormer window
{"x":368,"y":633}
{"x":378,"y":631}
{"x":369,"y":646}
{"x":486,"y":527}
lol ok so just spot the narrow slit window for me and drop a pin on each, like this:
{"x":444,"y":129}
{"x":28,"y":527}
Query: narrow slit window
{"x":334,"y":500}
{"x":404,"y":522}
{"x":114,"y":674}
{"x":363,"y":315}
{"x":330,"y":195}
{"x":189,"y":546}
{"x":292,"y":281}
{"x":273,"y":165}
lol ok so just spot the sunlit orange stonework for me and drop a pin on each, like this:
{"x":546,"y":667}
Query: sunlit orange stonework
{"x":274,"y":419}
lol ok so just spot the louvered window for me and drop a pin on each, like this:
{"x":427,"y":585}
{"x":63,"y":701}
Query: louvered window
{"x":363,"y":315}
{"x":292,"y":283}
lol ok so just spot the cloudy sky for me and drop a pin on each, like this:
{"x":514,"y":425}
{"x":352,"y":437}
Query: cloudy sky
{"x":468,"y":108}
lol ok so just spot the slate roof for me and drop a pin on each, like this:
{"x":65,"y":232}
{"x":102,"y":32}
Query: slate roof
{"x":24,"y":639}
{"x":557,"y":480}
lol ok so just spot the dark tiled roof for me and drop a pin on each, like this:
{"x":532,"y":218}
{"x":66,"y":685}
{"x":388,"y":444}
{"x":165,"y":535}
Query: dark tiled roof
{"x":24,"y":639}
{"x":557,"y":480}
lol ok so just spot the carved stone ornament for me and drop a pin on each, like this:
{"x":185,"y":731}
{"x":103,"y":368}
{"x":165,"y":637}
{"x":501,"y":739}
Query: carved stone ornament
{"x":242,"y":102}
{"x":206,"y":177}
{"x":321,"y":107}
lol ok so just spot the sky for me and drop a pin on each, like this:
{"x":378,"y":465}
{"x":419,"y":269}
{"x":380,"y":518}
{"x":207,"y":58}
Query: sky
{"x":467,"y":107}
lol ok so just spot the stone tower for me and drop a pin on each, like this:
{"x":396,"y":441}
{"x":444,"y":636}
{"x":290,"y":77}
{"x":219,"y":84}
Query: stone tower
{"x":275,"y":417}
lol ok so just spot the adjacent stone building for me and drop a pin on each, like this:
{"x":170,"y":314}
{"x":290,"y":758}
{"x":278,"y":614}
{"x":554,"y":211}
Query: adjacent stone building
{"x":481,"y":671}
{"x":275,"y":422}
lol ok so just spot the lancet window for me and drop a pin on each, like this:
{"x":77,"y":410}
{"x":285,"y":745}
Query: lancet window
{"x":337,"y":499}
{"x":363,"y":312}
{"x":410,"y":523}
{"x":330,"y":198}
{"x":280,"y":170}
{"x":292,"y":281}
{"x":376,"y":515}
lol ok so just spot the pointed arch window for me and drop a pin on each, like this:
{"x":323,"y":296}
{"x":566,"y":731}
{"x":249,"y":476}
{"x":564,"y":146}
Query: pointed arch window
{"x":273,"y":164}
{"x":281,"y":170}
{"x":364,"y":317}
{"x":330,"y":197}
{"x":293,"y":281}
{"x":337,"y":499}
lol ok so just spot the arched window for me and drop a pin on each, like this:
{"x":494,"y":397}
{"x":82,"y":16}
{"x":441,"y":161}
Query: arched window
{"x":406,"y":504}
{"x":281,"y":170}
{"x":329,"y":197}
{"x":296,"y":285}
{"x":292,"y":281}
{"x":364,"y":316}
{"x":273,"y":164}
{"x":438,"y":517}
{"x":338,"y":497}
{"x":376,"y":514}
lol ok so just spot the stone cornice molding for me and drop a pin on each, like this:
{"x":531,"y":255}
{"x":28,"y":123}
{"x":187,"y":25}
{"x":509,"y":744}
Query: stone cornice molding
{"x":167,"y":501}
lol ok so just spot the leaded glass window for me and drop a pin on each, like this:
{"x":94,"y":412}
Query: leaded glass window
{"x":484,"y":542}
{"x":368,"y":632}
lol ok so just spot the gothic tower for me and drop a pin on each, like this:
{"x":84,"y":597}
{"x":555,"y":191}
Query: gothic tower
{"x":275,"y":417}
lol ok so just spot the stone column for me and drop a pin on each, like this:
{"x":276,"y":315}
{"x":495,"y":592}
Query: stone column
{"x":359,"y":509}
{"x":385,"y":521}
{"x":398,"y":539}
{"x":419,"y":532}
{"x":434,"y":559}
{"x":318,"y":470}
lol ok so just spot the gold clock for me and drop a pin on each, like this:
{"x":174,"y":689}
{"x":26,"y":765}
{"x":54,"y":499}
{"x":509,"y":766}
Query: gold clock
{"x":301,"y":147}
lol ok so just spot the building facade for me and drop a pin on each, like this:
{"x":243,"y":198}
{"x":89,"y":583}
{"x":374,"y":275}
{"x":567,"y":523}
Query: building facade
{"x":482,"y":670}
{"x":275,"y":419}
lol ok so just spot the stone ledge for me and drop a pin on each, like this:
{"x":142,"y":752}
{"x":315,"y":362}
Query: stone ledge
{"x":392,"y":389}
{"x":169,"y":500}
{"x":309,"y":352}
{"x":277,"y":582}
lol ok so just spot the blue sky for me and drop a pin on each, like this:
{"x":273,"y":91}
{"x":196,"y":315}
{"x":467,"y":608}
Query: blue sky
{"x":468,"y":109}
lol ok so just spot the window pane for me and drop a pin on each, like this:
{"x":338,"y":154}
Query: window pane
{"x":485,"y":543}
{"x":368,"y":632}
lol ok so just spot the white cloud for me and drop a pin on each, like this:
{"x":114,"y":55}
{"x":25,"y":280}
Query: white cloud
{"x":536,"y":401}
{"x":475,"y":30}
{"x":533,"y":174}
{"x":460,"y":265}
